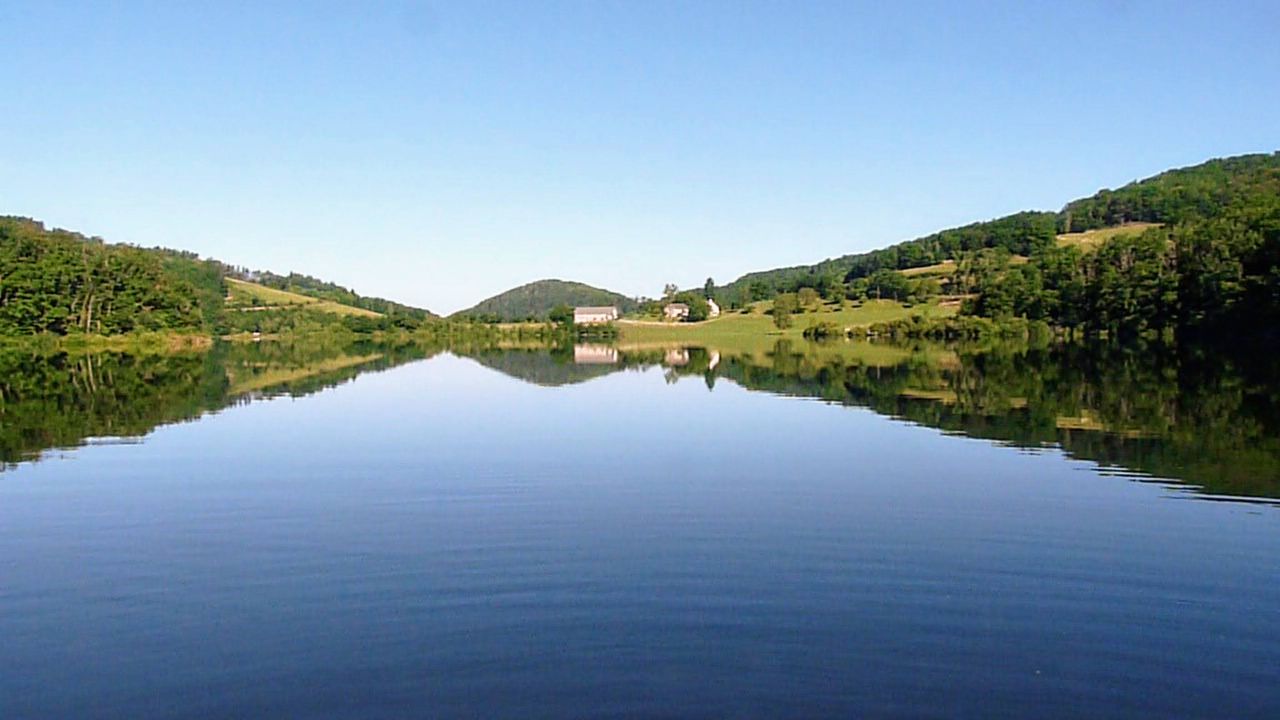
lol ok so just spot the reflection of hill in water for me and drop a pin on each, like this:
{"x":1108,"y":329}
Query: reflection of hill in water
{"x":1202,"y":419}
{"x":60,"y":400}
{"x":542,"y":366}
{"x":1186,"y":416}
{"x":1197,"y":418}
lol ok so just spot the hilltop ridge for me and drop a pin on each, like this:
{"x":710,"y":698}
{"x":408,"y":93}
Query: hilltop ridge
{"x":535,"y":301}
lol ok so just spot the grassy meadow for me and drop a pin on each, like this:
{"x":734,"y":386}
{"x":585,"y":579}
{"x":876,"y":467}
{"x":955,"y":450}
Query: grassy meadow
{"x":247,"y":296}
{"x":1091,"y":239}
{"x":736,"y":329}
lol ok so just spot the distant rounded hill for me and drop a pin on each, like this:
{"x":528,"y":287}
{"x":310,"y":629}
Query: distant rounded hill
{"x":536,"y":300}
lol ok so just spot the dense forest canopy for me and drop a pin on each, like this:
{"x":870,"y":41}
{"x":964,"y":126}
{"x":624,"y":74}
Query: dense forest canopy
{"x":61,"y":283}
{"x":536,"y":300}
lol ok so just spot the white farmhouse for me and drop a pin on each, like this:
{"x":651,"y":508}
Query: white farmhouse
{"x":713,"y":308}
{"x":676,"y":311}
{"x":594,"y":315}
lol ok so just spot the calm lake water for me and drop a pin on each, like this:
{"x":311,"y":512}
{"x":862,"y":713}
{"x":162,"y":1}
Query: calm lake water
{"x":795,"y":531}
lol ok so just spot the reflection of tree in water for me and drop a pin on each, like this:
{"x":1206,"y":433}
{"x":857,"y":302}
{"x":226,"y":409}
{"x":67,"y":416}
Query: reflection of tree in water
{"x":50,"y":401}
{"x":1193,"y":416}
{"x":1185,"y":415}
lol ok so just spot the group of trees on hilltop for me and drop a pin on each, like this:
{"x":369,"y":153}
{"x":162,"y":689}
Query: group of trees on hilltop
{"x":1217,"y":188}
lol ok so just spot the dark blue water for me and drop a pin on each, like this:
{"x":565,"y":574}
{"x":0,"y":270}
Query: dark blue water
{"x":440,"y":540}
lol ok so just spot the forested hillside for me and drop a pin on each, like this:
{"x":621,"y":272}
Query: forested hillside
{"x":60,"y":283}
{"x":1210,"y":267}
{"x":1019,"y":234}
{"x":1215,"y":189}
{"x":536,"y":300}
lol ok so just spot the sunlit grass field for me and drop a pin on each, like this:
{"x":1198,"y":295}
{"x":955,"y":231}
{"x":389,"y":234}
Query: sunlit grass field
{"x":247,"y":295}
{"x":946,"y":267}
{"x":1091,"y":239}
{"x":738,"y":329}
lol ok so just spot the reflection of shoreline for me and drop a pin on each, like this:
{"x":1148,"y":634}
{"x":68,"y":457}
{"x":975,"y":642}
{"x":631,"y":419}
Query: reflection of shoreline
{"x":61,"y":402}
{"x":1098,"y":404}
{"x":672,"y":356}
{"x":251,"y":377}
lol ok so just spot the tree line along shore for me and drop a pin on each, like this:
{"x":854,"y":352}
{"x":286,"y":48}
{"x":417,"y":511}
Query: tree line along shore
{"x":1189,"y":253}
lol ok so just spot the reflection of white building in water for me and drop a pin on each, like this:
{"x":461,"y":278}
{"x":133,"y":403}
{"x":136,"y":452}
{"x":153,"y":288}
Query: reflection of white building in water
{"x":676,"y":357}
{"x":594,"y":315}
{"x":595,"y":355}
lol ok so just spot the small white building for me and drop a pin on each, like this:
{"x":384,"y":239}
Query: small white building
{"x":594,"y":315}
{"x":713,"y":308}
{"x":676,"y":311}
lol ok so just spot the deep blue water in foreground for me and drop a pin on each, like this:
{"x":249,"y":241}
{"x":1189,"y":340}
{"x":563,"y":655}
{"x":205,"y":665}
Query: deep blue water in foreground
{"x":440,"y":540}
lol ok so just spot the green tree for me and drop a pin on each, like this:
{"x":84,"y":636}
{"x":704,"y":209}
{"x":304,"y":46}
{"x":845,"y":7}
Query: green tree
{"x":759,"y":290}
{"x":783,"y":306}
{"x":561,"y":315}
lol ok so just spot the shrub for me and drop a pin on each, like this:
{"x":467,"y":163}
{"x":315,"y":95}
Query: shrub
{"x":824,"y":329}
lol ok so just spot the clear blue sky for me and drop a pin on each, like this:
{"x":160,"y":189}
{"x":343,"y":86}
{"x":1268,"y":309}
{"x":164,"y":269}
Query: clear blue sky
{"x":438,"y":153}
